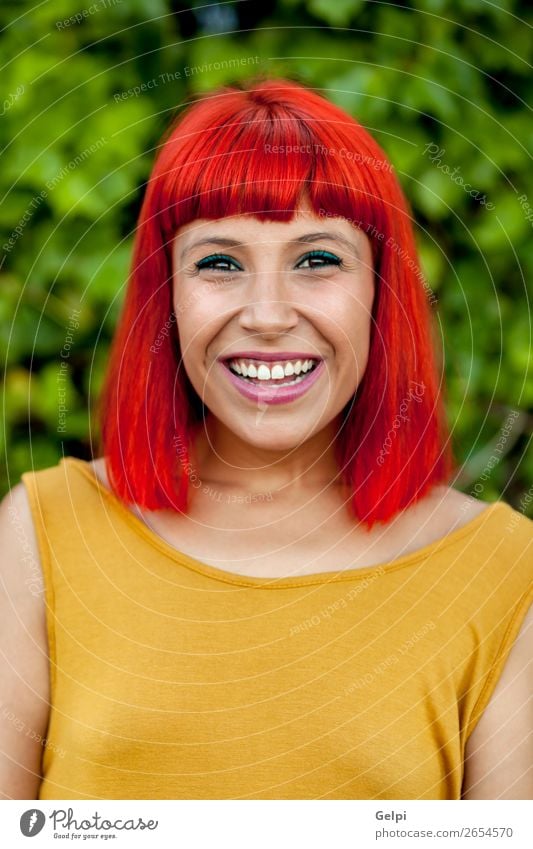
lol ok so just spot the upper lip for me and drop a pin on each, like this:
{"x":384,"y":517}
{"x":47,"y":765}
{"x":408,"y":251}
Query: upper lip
{"x":270,"y":356}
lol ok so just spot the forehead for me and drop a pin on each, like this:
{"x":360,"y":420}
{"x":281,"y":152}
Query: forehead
{"x":251,"y":230}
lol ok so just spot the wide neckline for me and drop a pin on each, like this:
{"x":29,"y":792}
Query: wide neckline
{"x":215,"y":572}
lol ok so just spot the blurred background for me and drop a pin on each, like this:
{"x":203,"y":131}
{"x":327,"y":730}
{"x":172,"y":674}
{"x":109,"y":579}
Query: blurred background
{"x":87,"y":90}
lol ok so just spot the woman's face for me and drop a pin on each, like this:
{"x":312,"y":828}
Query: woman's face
{"x":274,"y":321}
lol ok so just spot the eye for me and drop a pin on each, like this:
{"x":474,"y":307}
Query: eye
{"x":218,"y":262}
{"x":319,"y":259}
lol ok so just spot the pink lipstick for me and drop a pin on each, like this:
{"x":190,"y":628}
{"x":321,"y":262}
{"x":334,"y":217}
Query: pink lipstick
{"x":273,"y":394}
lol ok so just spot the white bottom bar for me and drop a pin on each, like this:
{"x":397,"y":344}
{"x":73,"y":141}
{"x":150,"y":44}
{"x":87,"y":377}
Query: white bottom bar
{"x":268,"y":824}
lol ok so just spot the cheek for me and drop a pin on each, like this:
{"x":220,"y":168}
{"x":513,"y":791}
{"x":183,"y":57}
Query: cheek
{"x":346,"y":320}
{"x":199,"y":320}
{"x":357,"y":316}
{"x":192,"y":344}
{"x":191,"y":337}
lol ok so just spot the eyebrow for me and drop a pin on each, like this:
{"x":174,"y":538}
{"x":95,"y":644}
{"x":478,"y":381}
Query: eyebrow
{"x":307,"y":238}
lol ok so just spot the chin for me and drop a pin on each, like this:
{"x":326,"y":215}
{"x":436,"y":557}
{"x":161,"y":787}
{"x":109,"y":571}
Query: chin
{"x":264,"y":436}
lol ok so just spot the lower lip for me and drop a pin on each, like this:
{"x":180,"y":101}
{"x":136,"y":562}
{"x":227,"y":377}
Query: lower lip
{"x":273,"y":394}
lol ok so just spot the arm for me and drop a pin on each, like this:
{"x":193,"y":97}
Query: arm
{"x":499,"y":752}
{"x":24,"y":665}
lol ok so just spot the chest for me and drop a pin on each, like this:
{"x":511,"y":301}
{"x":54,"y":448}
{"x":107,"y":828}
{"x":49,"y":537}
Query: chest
{"x":265,"y":541}
{"x":319,"y":693}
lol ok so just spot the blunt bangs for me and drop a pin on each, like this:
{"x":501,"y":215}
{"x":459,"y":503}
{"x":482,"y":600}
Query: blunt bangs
{"x":266,"y":159}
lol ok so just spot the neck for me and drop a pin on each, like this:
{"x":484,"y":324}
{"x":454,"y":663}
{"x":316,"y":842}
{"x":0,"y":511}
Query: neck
{"x":225,"y":459}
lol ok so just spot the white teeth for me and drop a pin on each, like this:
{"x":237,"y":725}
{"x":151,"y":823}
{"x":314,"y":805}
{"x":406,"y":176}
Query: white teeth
{"x":263,"y":372}
{"x":279,"y":371}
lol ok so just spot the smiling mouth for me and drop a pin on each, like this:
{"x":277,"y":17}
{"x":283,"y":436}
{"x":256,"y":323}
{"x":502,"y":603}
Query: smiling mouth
{"x":272,"y":375}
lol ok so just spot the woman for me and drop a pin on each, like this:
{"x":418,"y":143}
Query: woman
{"x":265,"y":587}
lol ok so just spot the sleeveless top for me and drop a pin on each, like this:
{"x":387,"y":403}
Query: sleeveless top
{"x":175,"y":679}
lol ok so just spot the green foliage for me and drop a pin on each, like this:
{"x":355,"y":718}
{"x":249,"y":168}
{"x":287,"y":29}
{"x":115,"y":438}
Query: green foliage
{"x":86,"y":95}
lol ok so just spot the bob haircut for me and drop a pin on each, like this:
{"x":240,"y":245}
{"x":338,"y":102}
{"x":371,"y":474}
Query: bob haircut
{"x":261,"y":150}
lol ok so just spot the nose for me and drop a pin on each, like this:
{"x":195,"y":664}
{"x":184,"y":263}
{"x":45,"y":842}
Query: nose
{"x":268,"y":310}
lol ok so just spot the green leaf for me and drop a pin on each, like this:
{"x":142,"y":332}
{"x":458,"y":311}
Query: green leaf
{"x":338,"y":13}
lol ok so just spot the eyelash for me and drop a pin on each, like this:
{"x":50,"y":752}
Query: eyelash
{"x":209,"y":261}
{"x":330,"y":258}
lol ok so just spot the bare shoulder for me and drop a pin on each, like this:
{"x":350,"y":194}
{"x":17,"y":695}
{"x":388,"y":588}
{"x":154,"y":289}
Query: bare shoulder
{"x":441,"y":512}
{"x":499,"y":751}
{"x":98,"y":467}
{"x":20,"y":563}
{"x":24,"y":659}
{"x":449,"y":508}
{"x":452,"y":507}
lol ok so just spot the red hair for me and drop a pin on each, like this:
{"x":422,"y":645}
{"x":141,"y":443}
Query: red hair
{"x":222,"y":158}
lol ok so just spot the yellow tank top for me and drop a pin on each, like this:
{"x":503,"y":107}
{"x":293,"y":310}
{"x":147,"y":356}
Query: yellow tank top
{"x":174,"y":679}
